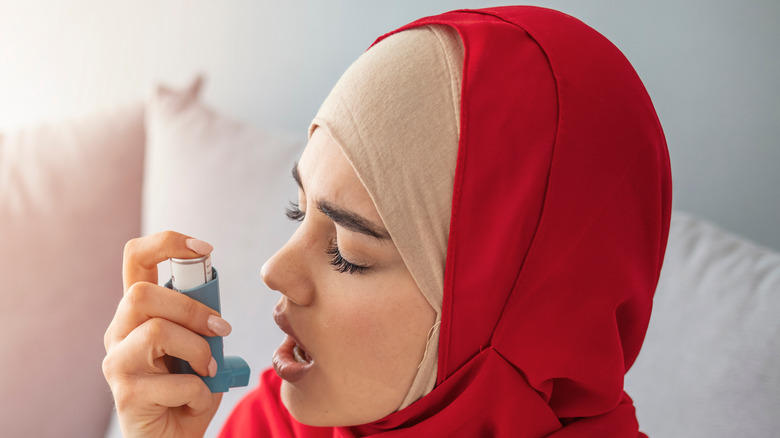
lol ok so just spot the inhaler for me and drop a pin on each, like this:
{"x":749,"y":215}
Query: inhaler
{"x":199,"y":281}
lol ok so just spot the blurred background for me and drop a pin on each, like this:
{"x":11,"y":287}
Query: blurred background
{"x":71,"y":193}
{"x":710,"y":66}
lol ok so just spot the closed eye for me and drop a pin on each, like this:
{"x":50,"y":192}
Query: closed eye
{"x":340,"y":264}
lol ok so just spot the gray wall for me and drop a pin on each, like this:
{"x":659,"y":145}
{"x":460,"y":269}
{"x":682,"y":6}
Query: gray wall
{"x":710,"y":66}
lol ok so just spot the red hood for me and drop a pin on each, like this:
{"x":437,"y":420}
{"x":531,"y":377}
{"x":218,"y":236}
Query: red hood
{"x":560,"y":217}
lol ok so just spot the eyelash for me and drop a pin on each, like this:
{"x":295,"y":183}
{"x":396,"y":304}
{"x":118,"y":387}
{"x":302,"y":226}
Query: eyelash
{"x":340,"y":264}
{"x":294,"y":213}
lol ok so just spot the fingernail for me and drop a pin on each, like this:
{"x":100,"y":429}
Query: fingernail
{"x":219,"y":325}
{"x":199,"y":246}
{"x":212,"y":368}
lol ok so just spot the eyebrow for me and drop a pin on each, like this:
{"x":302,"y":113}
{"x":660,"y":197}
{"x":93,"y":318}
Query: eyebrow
{"x":346,"y":218}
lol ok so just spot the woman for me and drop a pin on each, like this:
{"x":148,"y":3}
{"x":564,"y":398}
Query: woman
{"x":484,"y":207}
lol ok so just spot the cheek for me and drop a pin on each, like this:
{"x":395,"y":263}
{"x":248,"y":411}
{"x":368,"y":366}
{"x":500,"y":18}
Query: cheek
{"x":367,"y":336}
{"x":381,"y":328}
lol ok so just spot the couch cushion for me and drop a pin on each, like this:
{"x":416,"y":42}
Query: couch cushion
{"x":70,"y":196}
{"x":710,"y":365}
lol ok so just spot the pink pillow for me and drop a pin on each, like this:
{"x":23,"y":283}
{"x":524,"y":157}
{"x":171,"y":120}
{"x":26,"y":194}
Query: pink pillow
{"x":70,"y":196}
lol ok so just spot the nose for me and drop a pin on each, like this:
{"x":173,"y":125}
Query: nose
{"x":287,"y":271}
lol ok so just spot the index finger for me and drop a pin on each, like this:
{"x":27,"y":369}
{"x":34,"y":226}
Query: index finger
{"x":142,"y":254}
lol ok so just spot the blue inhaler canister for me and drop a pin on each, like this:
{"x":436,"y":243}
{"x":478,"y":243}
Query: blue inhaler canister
{"x":199,"y":281}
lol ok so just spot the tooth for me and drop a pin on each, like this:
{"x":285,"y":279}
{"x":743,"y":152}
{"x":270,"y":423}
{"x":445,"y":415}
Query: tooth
{"x":297,"y":354}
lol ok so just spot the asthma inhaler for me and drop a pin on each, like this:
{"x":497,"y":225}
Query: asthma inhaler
{"x":199,"y":281}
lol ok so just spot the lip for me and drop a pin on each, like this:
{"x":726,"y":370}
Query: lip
{"x":284,"y":362}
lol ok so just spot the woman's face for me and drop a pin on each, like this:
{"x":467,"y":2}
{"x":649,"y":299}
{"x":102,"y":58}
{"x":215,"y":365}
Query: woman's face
{"x":358,"y":321}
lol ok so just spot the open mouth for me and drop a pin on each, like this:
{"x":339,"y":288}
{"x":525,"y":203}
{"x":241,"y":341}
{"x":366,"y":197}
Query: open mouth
{"x":291,"y":361}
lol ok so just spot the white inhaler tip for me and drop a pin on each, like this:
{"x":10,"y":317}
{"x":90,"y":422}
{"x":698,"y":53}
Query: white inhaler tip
{"x":189,"y":273}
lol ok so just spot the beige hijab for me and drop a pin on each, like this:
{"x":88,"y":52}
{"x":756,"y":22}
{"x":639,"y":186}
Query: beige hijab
{"x":395,"y":113}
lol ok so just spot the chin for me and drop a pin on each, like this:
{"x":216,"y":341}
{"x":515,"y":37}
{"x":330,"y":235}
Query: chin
{"x":319,"y":411}
{"x":304,"y":408}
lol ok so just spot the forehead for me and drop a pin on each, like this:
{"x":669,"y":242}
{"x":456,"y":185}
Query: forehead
{"x":327,"y":175}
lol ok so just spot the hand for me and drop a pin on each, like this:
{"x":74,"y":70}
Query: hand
{"x":151,"y":324}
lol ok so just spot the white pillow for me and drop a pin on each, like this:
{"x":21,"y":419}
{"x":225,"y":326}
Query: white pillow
{"x":228,"y":184}
{"x":710,"y":366}
{"x":70,"y":197}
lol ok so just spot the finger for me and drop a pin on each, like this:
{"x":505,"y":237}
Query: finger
{"x":170,"y":390}
{"x":180,"y":390}
{"x":143,"y":350}
{"x":145,"y":301}
{"x":142,"y":254}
